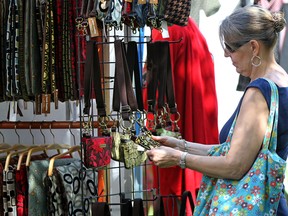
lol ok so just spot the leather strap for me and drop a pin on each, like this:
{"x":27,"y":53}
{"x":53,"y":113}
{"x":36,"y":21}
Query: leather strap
{"x":92,"y":79}
{"x":138,"y":208}
{"x":133,"y":64}
{"x":126,"y":207}
{"x":100,"y":208}
{"x":160,"y":76}
{"x":186,"y":195}
{"x":159,"y":206}
{"x":123,"y":92}
{"x":152,"y":76}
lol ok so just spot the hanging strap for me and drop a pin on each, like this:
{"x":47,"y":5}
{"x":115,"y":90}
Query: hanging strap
{"x":186,"y":195}
{"x":170,"y":85}
{"x":126,"y":206}
{"x":100,"y":208}
{"x":123,"y":92}
{"x":160,"y":77}
{"x":138,"y":208}
{"x":151,"y":76}
{"x":92,"y":79}
{"x":159,"y":206}
{"x":133,"y":65}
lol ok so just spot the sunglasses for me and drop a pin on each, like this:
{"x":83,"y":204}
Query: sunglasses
{"x":235,"y":47}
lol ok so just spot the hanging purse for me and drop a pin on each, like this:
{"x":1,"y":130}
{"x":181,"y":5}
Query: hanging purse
{"x":132,"y":156}
{"x":259,"y":190}
{"x":123,"y":95}
{"x":97,"y":150}
{"x":116,"y":151}
{"x":177,"y":12}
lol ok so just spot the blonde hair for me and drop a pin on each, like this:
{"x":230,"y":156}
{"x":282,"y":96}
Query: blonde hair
{"x":252,"y":23}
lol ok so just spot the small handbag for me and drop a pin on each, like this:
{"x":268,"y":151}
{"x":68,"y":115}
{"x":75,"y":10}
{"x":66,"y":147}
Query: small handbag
{"x":132,"y":156}
{"x":97,"y":151}
{"x":117,"y":153}
{"x":259,"y":191}
{"x":177,"y":12}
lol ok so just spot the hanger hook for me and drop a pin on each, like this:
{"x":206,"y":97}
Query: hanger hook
{"x":15,"y":128}
{"x":52,"y":134}
{"x":33,"y":141}
{"x":2,"y":137}
{"x":44,"y":138}
{"x":74,"y":140}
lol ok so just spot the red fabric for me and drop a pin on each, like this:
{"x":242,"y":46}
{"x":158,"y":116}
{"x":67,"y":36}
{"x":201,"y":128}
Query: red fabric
{"x":21,"y":187}
{"x":195,"y":92}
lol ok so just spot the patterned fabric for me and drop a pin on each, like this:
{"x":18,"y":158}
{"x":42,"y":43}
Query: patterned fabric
{"x":9,"y":195}
{"x":65,"y":190}
{"x":259,"y":191}
{"x":1,"y":190}
{"x":48,"y":56}
{"x":21,"y":191}
{"x":37,"y":194}
{"x":53,"y":187}
{"x":12,"y":44}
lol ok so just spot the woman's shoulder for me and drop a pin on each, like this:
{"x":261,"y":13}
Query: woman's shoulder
{"x":262,"y":84}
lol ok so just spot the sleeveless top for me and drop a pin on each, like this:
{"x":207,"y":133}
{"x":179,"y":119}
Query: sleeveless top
{"x":282,"y":138}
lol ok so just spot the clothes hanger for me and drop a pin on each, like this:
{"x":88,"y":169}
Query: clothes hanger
{"x":33,"y":147}
{"x":4,"y":145}
{"x":52,"y":160}
{"x":46,"y":147}
{"x":9,"y":156}
{"x":74,"y":140}
{"x":14,"y":147}
{"x":56,"y":146}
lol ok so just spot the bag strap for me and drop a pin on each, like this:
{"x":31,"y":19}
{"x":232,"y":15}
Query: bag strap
{"x":92,"y":79}
{"x":186,"y":195}
{"x":133,"y":65}
{"x":270,"y":142}
{"x":159,"y":206}
{"x":123,"y":92}
{"x":273,"y":117}
{"x":152,"y":77}
{"x":138,"y":208}
{"x":126,"y":206}
{"x":160,"y":76}
{"x":100,"y":208}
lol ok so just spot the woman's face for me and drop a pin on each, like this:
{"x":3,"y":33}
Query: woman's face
{"x":241,"y":58}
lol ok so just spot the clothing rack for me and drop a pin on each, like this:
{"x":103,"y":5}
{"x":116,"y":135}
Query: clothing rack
{"x":48,"y":124}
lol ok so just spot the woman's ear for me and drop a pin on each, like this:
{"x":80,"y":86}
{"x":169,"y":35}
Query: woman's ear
{"x":255,"y":46}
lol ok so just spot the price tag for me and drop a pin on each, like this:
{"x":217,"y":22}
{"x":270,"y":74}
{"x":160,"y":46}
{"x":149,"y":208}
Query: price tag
{"x":165,"y":33}
{"x":93,"y":27}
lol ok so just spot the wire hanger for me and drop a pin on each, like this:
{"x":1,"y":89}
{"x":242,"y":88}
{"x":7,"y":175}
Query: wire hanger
{"x":52,"y":160}
{"x":74,"y":140}
{"x":4,"y":145}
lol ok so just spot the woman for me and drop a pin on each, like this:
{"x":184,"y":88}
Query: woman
{"x":248,"y":36}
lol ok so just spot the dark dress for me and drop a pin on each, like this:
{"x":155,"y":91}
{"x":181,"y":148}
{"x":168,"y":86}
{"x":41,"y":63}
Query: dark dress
{"x":282,"y":139}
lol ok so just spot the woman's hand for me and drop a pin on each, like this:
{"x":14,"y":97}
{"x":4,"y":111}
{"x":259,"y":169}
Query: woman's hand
{"x":167,"y":141}
{"x":164,"y":156}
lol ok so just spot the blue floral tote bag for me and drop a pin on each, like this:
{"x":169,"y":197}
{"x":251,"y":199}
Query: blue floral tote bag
{"x":258,"y":192}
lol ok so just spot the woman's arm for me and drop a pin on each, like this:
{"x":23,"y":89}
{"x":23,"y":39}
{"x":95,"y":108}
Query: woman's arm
{"x":245,"y":144}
